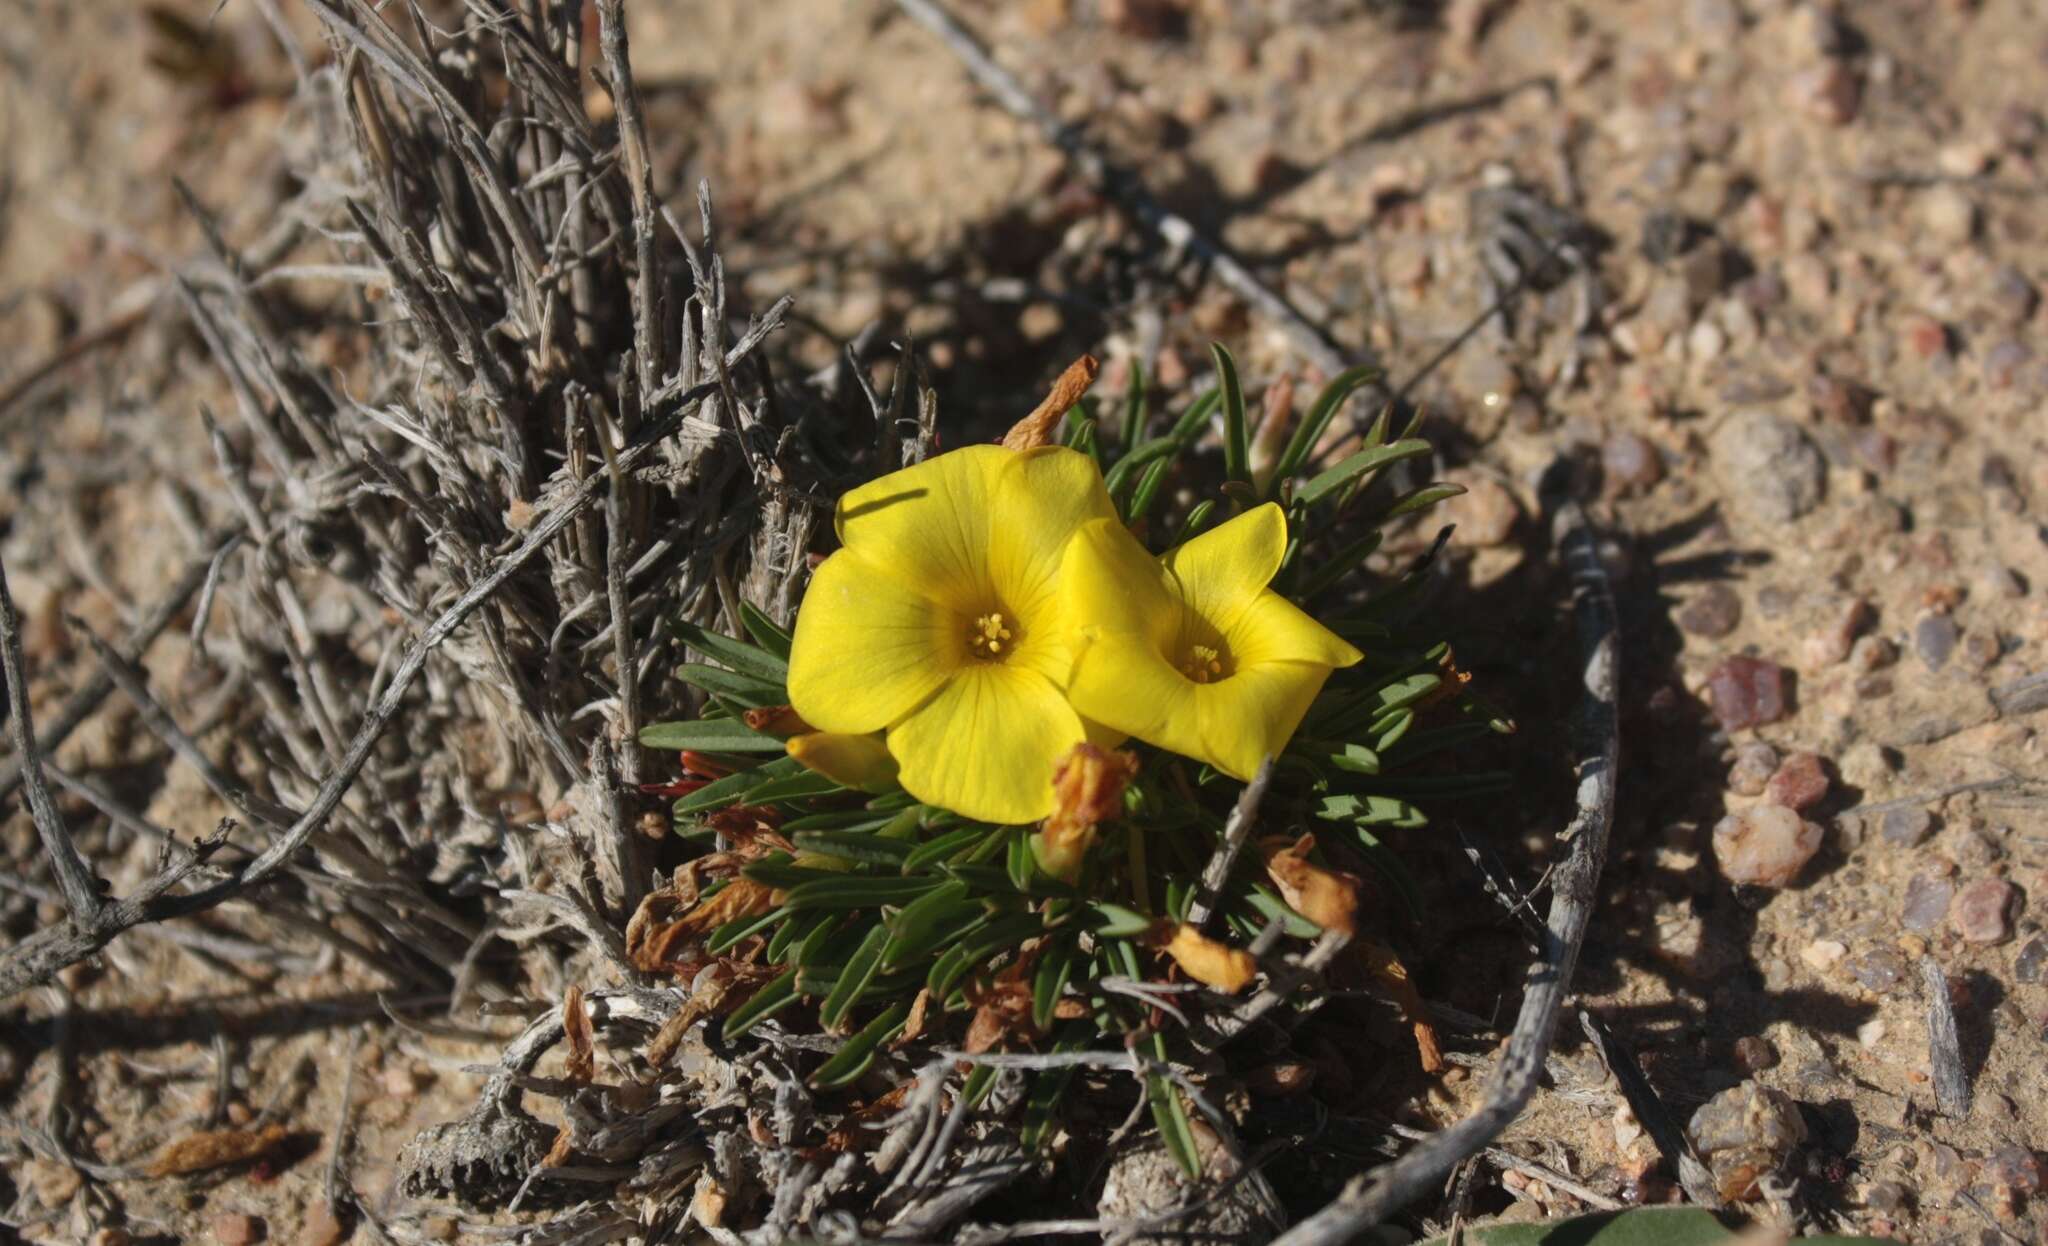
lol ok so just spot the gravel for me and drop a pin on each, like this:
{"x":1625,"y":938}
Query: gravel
{"x":1713,"y":613}
{"x":1982,"y":911}
{"x":1908,"y":827}
{"x":1755,"y":763}
{"x":1747,"y":692}
{"x":1772,"y":472}
{"x":1766,"y":846}
{"x":1800,"y":783}
{"x":1927,"y":900}
{"x":1934,"y":639}
{"x":2030,"y":966}
{"x":1747,"y":1133}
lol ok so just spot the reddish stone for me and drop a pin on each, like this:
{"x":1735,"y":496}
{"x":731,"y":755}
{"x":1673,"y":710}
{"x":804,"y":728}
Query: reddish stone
{"x":1982,"y":911}
{"x":1747,"y":692}
{"x":1799,"y":783}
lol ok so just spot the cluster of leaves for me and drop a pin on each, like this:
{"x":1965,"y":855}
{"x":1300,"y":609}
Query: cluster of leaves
{"x":885,"y":913}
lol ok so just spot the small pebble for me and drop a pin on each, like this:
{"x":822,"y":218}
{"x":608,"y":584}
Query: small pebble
{"x":2012,"y":295}
{"x":1765,"y":847}
{"x":1772,"y":472}
{"x":1908,"y":827}
{"x":1982,"y":911}
{"x":1755,"y":763}
{"x":1714,"y":613}
{"x":1631,"y":464}
{"x":1880,"y":969}
{"x":1923,"y":336}
{"x":1872,"y":653}
{"x":1835,"y":638}
{"x":1485,"y":513}
{"x":1829,"y":93}
{"x":1871,"y":1032}
{"x":237,"y":1229}
{"x":321,"y":1227}
{"x":2002,"y":363}
{"x":2015,"y":1167}
{"x":1799,"y":784}
{"x":1948,"y":214}
{"x":1822,"y":955}
{"x":1934,"y":638}
{"x":1884,"y":1196}
{"x":1747,"y":692}
{"x":1926,"y":902}
{"x":1754,"y":1054}
{"x":2031,"y":965}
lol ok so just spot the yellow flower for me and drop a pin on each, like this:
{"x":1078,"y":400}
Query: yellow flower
{"x":941,"y":623}
{"x":1192,"y":652}
{"x":858,"y":761}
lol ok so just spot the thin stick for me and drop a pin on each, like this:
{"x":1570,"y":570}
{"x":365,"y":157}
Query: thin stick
{"x":1238,"y":829}
{"x":1370,"y":1198}
{"x":87,"y":699}
{"x":42,"y":954}
{"x":1951,"y":1083}
{"x":1655,"y":1118}
{"x":74,"y":877}
{"x":1120,"y":183}
{"x":70,"y":352}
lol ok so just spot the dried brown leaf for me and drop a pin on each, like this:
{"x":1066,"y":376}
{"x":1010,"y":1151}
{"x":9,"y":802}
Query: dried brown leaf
{"x":1210,"y":962}
{"x":216,"y":1148}
{"x":582,"y":1062}
{"x":1387,"y":969}
{"x":778,"y":720}
{"x":1328,"y":898}
{"x":1035,"y":430}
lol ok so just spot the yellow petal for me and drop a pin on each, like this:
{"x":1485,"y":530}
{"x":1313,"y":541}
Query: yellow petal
{"x":1222,"y":571}
{"x":1042,"y":498}
{"x":928,"y":526}
{"x":858,"y":761}
{"x":1274,"y":629}
{"x":1125,"y":683}
{"x":987,"y":744}
{"x":1243,"y":720}
{"x":1207,"y":961}
{"x":1112,"y":585}
{"x":867,"y":649}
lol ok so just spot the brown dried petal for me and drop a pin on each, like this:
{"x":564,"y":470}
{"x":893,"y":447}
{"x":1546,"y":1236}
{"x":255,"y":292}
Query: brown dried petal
{"x":1207,"y":961}
{"x":215,"y":1148}
{"x":582,"y":1062}
{"x":1326,"y":897}
{"x":1035,"y":430}
{"x":778,"y":720}
{"x":1392,"y":976}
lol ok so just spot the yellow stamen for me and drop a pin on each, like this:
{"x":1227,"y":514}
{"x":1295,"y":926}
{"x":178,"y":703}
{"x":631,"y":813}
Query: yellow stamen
{"x":988,"y":635}
{"x":1204,"y":665}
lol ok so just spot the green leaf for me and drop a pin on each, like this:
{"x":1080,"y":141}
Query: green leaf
{"x":799,"y":786}
{"x":869,"y":848}
{"x":769,"y":1000}
{"x":791,"y":936}
{"x":742,"y":657}
{"x":1196,"y":519}
{"x":1237,"y":438}
{"x":1049,"y":1086}
{"x":1361,"y":467}
{"x":773,"y":638}
{"x":739,"y":928}
{"x":1310,"y":433}
{"x":1390,"y":866}
{"x":1420,"y":499}
{"x":858,"y":1055}
{"x":1342,"y":563}
{"x":1118,"y":922}
{"x":944,"y":848}
{"x":979,"y":1083}
{"x":926,"y":922}
{"x":1272,"y":908}
{"x":735,"y":786}
{"x":747,"y":690}
{"x":1370,"y":810}
{"x":1640,"y":1226}
{"x":1136,"y":407}
{"x":780,"y":870}
{"x":1171,"y":1116}
{"x":851,"y":892}
{"x":866,"y":959}
{"x":1054,"y":968}
{"x":709,"y":735}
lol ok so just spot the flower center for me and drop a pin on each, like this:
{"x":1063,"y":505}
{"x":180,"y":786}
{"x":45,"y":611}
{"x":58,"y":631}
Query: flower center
{"x":990,"y":637}
{"x":1205,"y":664}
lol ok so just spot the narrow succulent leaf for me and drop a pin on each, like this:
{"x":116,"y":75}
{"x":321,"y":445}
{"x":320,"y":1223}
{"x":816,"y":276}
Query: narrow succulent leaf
{"x":734,"y":788}
{"x":865,"y":847}
{"x":923,"y":924}
{"x":1310,"y":432}
{"x":766,"y":1002}
{"x":1116,"y":921}
{"x":732,"y":932}
{"x":1171,"y":1116}
{"x":742,"y":657}
{"x":709,"y":735}
{"x":844,"y":892}
{"x":737,"y":687}
{"x":771,"y":636}
{"x":1360,"y":468}
{"x":1054,"y":968}
{"x":979,"y":1083}
{"x":858,"y":1054}
{"x":1420,"y":499}
{"x":1237,"y":438}
{"x":853,"y":980}
{"x":1042,"y":1100}
{"x":1370,"y":810}
{"x":944,"y":848}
